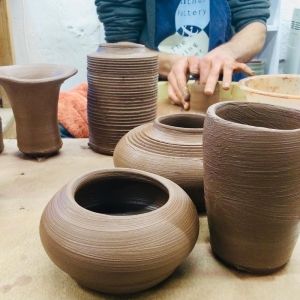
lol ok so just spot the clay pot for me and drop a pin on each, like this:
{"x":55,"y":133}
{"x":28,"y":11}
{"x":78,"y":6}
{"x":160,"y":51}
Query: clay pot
{"x":170,"y":147}
{"x":199,"y":101}
{"x":252,"y":183}
{"x":122,"y":93}
{"x":33,"y":93}
{"x":278,"y":89}
{"x":119,"y":231}
{"x":1,"y":137}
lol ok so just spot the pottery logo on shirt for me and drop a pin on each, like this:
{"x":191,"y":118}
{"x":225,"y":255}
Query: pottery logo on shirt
{"x":191,"y":17}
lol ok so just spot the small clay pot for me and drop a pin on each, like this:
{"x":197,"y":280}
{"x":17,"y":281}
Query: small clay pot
{"x":33,"y":93}
{"x":1,"y":137}
{"x":119,"y":231}
{"x":170,"y":147}
{"x":252,"y":183}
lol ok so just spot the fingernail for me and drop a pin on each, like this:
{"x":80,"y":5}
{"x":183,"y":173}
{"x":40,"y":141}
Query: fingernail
{"x":186,"y":106}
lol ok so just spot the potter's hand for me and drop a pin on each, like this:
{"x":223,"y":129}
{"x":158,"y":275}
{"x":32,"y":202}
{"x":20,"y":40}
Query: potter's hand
{"x":178,"y":76}
{"x":208,"y":69}
{"x":221,"y":60}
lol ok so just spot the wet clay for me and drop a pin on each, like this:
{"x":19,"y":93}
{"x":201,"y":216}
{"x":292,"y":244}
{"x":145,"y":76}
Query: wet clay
{"x":119,"y":231}
{"x":170,"y":147}
{"x":201,"y":102}
{"x":1,"y":137}
{"x":122,"y":92}
{"x":252,"y":183}
{"x":33,"y":93}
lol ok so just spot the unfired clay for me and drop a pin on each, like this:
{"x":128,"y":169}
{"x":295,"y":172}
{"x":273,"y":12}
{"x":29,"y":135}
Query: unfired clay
{"x":33,"y":93}
{"x":252,"y":183}
{"x":119,"y":231}
{"x":122,"y":92}
{"x":170,"y":147}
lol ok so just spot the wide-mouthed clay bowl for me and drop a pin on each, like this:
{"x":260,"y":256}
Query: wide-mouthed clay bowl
{"x":120,"y":230}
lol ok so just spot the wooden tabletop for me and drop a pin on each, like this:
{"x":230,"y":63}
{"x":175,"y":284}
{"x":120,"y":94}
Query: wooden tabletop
{"x":26,"y":272}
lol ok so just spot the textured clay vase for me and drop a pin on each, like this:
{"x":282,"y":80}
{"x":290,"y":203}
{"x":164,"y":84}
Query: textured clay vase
{"x":1,"y":137}
{"x":170,"y":147}
{"x":33,"y":93}
{"x":252,"y":183}
{"x":119,"y":231}
{"x":122,"y":92}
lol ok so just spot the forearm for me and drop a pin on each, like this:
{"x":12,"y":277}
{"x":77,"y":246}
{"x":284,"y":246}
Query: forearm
{"x":248,"y":42}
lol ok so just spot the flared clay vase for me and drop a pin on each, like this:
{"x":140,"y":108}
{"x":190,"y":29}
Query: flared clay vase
{"x":33,"y":92}
{"x":119,"y":231}
{"x":171,"y":147}
{"x":252,"y":183}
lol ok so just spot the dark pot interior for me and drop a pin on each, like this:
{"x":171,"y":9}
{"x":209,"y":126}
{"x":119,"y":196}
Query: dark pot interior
{"x":260,"y":115}
{"x":183,"y":120}
{"x":121,"y":195}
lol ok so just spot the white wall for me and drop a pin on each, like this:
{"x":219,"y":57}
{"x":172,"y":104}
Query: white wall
{"x":287,"y":7}
{"x":65,"y":31}
{"x":55,"y":31}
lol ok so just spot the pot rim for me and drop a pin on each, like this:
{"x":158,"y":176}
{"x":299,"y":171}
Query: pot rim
{"x":158,"y":121}
{"x":163,"y":183}
{"x":212,"y":112}
{"x":244,"y":87}
{"x":66,"y":72}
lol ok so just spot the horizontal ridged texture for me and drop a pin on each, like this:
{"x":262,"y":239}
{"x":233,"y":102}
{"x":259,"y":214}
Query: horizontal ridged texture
{"x":170,"y":147}
{"x":119,"y":253}
{"x":252,"y":183}
{"x":122,"y":92}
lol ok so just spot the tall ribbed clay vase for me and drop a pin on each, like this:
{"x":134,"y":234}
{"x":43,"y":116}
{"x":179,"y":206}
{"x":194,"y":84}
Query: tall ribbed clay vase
{"x":119,"y":231}
{"x":170,"y":147}
{"x":33,"y":93}
{"x":252,"y":183}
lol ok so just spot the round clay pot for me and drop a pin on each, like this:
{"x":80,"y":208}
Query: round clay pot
{"x":252,"y":183}
{"x":170,"y":147}
{"x":119,"y":231}
{"x":33,"y":93}
{"x":1,"y":137}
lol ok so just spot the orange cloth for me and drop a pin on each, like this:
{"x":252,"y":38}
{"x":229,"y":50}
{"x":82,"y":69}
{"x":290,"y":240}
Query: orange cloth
{"x":72,"y":111}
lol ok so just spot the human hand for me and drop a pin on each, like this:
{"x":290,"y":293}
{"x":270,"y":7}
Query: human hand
{"x":208,"y":69}
{"x":221,"y":60}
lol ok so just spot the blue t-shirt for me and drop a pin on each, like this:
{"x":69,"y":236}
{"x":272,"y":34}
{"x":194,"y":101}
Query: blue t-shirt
{"x":182,"y":27}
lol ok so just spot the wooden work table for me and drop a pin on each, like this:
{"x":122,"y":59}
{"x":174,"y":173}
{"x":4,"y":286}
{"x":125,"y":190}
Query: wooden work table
{"x":26,"y":272}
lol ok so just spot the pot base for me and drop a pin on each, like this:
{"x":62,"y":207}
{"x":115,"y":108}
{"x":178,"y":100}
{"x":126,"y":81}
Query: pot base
{"x":125,"y":291}
{"x":246,"y":269}
{"x":100,"y":150}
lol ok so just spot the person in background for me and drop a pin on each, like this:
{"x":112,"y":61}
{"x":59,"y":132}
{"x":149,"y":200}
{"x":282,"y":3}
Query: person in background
{"x":202,"y":38}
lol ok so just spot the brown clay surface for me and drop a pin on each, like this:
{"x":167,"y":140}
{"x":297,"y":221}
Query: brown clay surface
{"x":119,"y":231}
{"x":170,"y":147}
{"x":27,"y":273}
{"x":33,"y":93}
{"x":122,"y":93}
{"x":252,"y":183}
